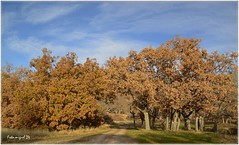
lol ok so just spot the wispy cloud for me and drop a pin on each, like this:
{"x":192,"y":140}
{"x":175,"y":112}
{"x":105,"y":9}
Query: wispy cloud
{"x":167,"y":17}
{"x":43,"y":13}
{"x":34,"y":13}
{"x":105,"y":29}
{"x":99,"y":48}
{"x":208,"y":20}
{"x":105,"y":47}
{"x":32,"y":46}
{"x":65,"y":34}
{"x":8,"y":19}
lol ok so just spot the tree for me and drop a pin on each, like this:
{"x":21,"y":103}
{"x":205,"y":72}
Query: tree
{"x":94,"y":79}
{"x":129,"y":77}
{"x":10,"y":82}
{"x":39,"y":82}
{"x":195,"y":77}
{"x":54,"y":94}
{"x":177,"y":80}
{"x":71,"y":102}
{"x":18,"y":108}
{"x":222,"y":67}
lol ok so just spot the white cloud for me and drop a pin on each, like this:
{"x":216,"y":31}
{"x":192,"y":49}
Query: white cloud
{"x":163,"y":17}
{"x":75,"y":35}
{"x":44,"y":13}
{"x":32,"y":46}
{"x":64,"y":34}
{"x":103,"y":36}
{"x":8,"y":19}
{"x":95,"y":45}
{"x":106,"y":47}
{"x":100,"y":48}
{"x":214,"y":22}
{"x":33,"y":13}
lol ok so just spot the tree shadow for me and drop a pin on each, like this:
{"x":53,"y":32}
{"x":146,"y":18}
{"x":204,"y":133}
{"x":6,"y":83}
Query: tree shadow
{"x":124,"y":125}
{"x":173,"y":139}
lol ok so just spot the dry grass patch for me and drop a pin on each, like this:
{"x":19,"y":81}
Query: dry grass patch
{"x":45,"y":137}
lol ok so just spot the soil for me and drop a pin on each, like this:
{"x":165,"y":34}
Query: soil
{"x":114,"y":136}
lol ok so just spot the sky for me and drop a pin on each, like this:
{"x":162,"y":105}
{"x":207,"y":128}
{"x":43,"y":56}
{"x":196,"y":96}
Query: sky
{"x":105,"y":29}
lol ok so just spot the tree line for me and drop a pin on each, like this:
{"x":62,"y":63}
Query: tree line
{"x":179,"y":79}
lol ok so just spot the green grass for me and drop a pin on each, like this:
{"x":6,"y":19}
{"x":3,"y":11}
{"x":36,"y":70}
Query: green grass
{"x":155,"y":136}
{"x":46,"y":137}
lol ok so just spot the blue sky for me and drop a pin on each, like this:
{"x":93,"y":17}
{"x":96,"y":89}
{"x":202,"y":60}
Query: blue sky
{"x":104,"y":29}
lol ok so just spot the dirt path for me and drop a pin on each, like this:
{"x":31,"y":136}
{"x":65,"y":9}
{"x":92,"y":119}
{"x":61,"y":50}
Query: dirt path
{"x":114,"y":136}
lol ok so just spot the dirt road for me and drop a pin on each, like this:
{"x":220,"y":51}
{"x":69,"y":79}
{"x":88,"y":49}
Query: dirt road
{"x":114,"y":136}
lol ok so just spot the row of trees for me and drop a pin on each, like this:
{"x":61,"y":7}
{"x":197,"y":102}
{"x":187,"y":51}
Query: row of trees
{"x":57,"y":94}
{"x":177,"y":79}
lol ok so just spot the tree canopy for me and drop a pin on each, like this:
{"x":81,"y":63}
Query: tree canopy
{"x":177,"y":79}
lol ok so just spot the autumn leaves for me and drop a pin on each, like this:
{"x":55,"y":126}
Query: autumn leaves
{"x":178,"y":79}
{"x":54,"y":94}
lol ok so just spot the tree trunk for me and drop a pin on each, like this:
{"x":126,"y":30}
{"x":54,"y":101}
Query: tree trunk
{"x":175,"y":119}
{"x":150,"y":121}
{"x":171,"y":124}
{"x":134,"y":119}
{"x":215,"y":127}
{"x":167,"y":127}
{"x":134,"y":123}
{"x":133,"y":115}
{"x":142,"y":117}
{"x":201,"y":123}
{"x":143,"y":123}
{"x":187,"y":116}
{"x":196,"y":124}
{"x":153,"y":122}
{"x":178,"y":123}
{"x":223,"y":121}
{"x":187,"y":125}
{"x":147,"y":124}
{"x":171,"y":121}
{"x":153,"y":117}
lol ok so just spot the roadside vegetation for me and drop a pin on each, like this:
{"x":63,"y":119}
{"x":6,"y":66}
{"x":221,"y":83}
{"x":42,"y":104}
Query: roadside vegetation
{"x":182,"y":136}
{"x":121,"y":121}
{"x":40,"y":136}
{"x":172,"y":89}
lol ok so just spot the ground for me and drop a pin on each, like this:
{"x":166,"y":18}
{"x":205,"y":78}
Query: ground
{"x":114,"y":136}
{"x":119,"y":132}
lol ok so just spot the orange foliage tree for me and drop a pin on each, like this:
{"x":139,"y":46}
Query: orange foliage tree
{"x":54,"y":94}
{"x":179,"y":79}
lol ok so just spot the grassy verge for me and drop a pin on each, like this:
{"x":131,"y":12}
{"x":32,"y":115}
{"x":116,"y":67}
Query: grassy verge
{"x":46,"y":137}
{"x":154,"y":136}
